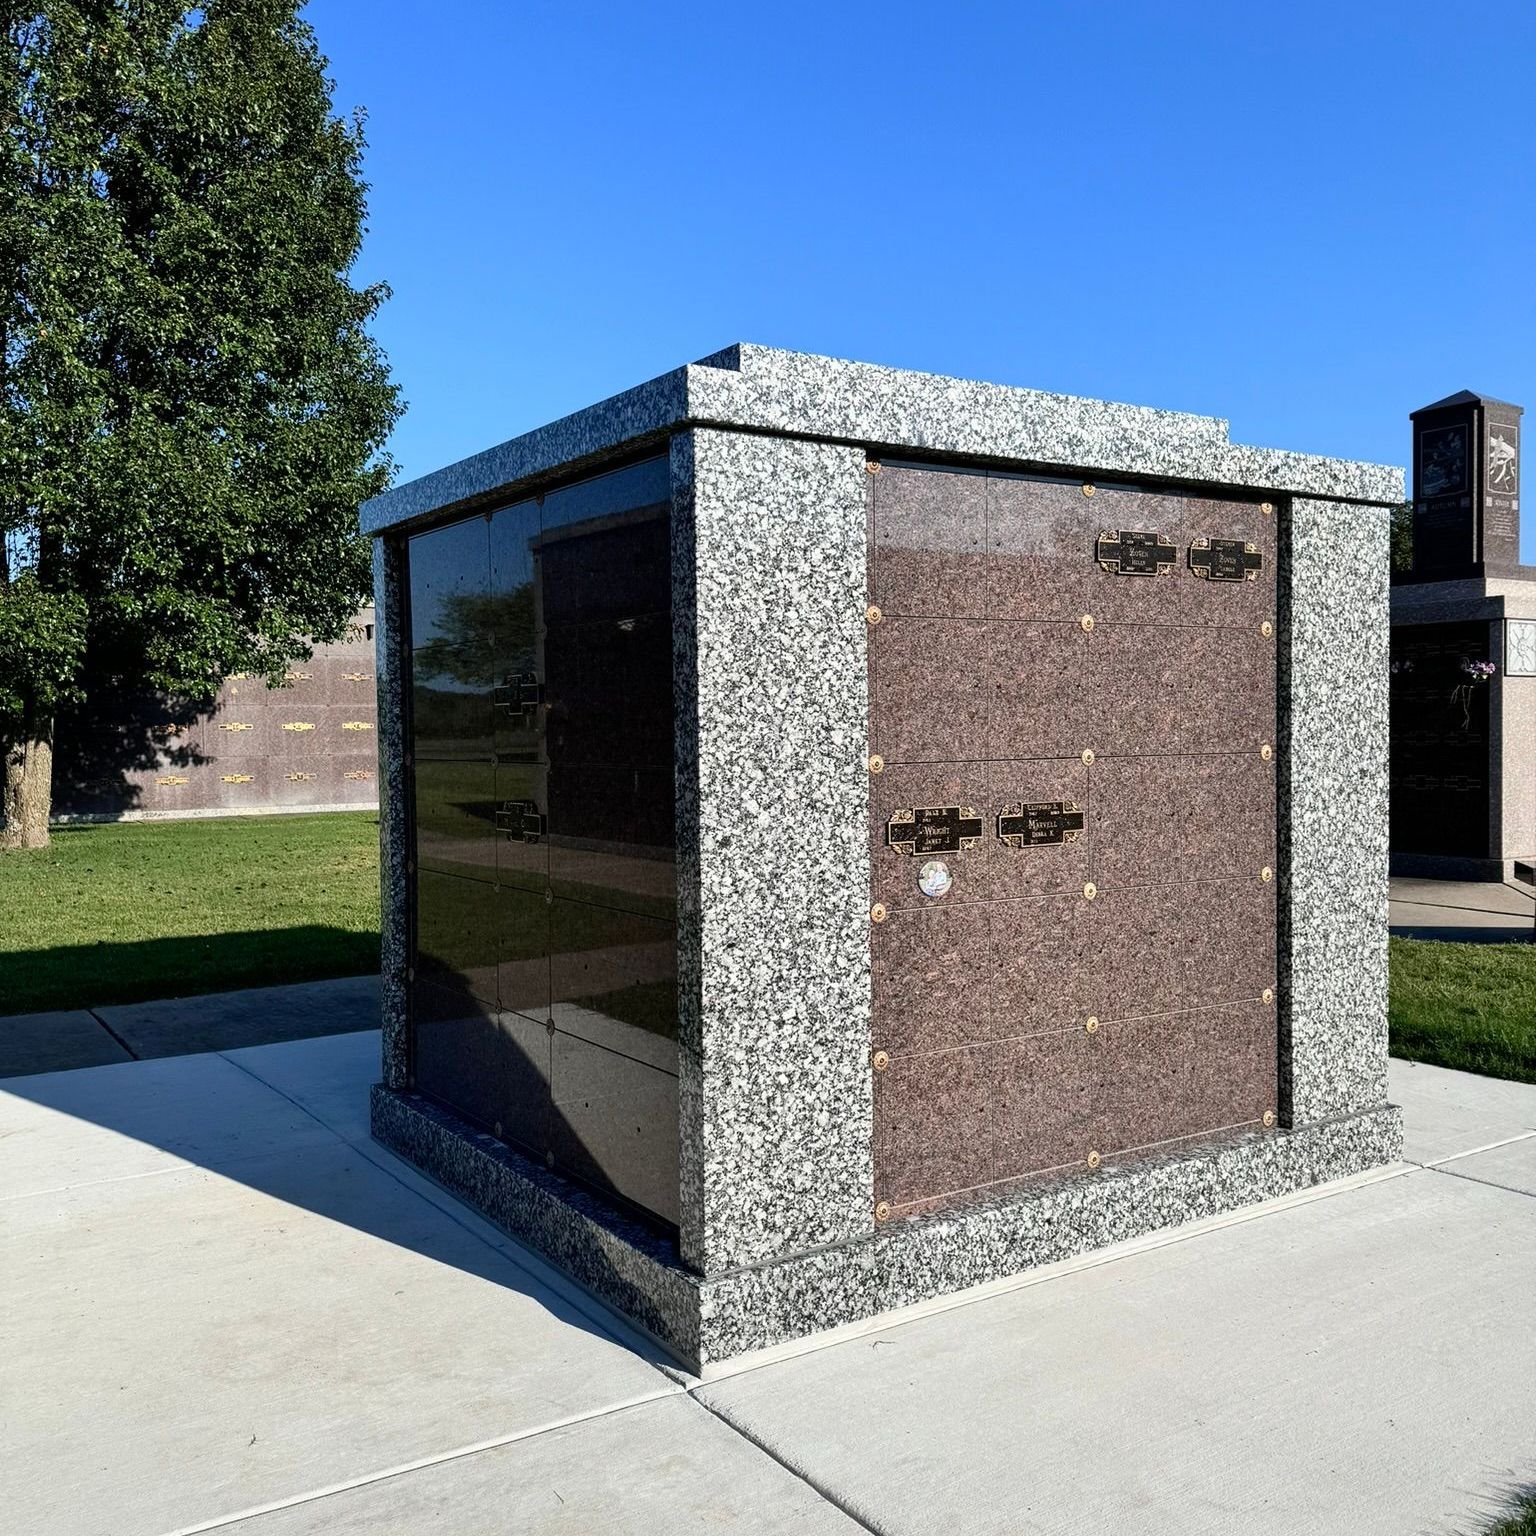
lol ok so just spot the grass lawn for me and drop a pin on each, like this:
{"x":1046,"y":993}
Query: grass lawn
{"x":1469,"y":1006}
{"x":137,"y":910}
{"x":1521,"y":1520}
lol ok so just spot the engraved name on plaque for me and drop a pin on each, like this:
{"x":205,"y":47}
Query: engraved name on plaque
{"x":1040,"y":825}
{"x":1225,"y":560}
{"x":1134,"y":553}
{"x":934,"y":829}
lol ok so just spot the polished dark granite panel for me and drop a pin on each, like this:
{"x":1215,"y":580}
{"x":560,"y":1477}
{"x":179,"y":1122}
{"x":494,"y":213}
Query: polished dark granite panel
{"x":522,"y":859}
{"x":613,"y":1123}
{"x":612,"y":838}
{"x":521,"y":920}
{"x":959,"y":1120}
{"x":618,"y":964}
{"x":492,"y":1068}
{"x":1037,"y":680}
{"x":1180,"y":690}
{"x":514,"y":623}
{"x":1040,"y":544}
{"x":930,"y":971}
{"x":1196,"y":818}
{"x":614,"y":984}
{"x":451,"y":650}
{"x":456,"y":817}
{"x":1184,"y":1074}
{"x":609,"y":691}
{"x":929,"y":693}
{"x":928,"y":553}
{"x":457,"y":945}
{"x":605,"y":548}
{"x":1157,"y":949}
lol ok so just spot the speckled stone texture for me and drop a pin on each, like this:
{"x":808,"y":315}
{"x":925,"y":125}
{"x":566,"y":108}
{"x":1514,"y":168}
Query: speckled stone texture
{"x":761,"y":389}
{"x":390,"y":642}
{"x":775,"y":1013}
{"x":1334,"y":637}
{"x":910,"y":1260}
{"x":626,"y":1264}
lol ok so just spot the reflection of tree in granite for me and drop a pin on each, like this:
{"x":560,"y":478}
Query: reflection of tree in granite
{"x":468,"y":629}
{"x":474,"y":639}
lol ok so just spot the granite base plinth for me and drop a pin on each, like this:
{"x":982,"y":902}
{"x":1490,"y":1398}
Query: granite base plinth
{"x":707,"y":1319}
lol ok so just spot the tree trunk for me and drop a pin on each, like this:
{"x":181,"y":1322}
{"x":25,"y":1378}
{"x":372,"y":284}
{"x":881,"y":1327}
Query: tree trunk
{"x":26,"y":795}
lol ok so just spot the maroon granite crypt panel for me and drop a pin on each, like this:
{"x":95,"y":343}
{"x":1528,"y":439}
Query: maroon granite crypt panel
{"x":1072,"y":824}
{"x":1206,"y":818}
{"x":930,"y":542}
{"x":307,"y":743}
{"x":965,"y":1120}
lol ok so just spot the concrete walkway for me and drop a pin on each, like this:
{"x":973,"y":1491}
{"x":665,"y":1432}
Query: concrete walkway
{"x":177,"y":1026}
{"x":226,"y":1309}
{"x":1478,"y":912}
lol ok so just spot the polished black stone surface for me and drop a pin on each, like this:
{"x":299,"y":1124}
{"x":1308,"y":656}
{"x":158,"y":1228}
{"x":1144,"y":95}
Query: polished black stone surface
{"x":545,"y":842}
{"x":451,"y":651}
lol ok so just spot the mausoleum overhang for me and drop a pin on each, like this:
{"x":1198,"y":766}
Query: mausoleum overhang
{"x":799,"y":395}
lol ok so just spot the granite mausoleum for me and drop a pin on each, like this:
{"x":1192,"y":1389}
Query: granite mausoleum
{"x":1464,"y":652}
{"x":309,"y":745}
{"x":851,"y":835}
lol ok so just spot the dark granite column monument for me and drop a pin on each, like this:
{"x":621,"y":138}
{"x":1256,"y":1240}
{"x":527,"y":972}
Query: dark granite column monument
{"x":1464,"y":652}
{"x":852,"y":835}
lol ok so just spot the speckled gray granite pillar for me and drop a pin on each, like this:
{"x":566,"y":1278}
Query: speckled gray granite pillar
{"x":775,"y":1095}
{"x":390,"y":640}
{"x":1334,"y":635}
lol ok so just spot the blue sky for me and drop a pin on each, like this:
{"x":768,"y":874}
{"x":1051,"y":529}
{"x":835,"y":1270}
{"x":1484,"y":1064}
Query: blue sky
{"x":1310,"y":219}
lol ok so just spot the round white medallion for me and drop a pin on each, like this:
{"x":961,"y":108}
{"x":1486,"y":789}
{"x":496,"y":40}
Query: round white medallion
{"x":934,"y":878}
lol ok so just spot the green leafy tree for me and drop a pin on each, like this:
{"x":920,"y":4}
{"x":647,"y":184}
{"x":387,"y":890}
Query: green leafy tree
{"x":191,"y":407}
{"x":1402,"y":539}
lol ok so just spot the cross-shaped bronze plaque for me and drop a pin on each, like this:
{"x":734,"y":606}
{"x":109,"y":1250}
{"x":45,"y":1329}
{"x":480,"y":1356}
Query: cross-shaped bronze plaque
{"x":1225,"y":560}
{"x":521,"y":693}
{"x":521,"y":821}
{"x":1039,"y":825}
{"x":1134,"y":553}
{"x":934,"y":829}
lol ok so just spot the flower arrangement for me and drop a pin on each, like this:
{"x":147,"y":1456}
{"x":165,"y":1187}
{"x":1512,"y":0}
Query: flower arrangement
{"x":1476,"y":673}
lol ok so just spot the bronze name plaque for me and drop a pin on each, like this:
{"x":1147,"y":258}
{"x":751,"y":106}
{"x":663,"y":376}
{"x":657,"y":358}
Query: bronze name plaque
{"x":1225,"y":560}
{"x":1040,"y":825}
{"x":520,"y":694}
{"x":520,"y":820}
{"x":1134,"y":553}
{"x":934,"y":829}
